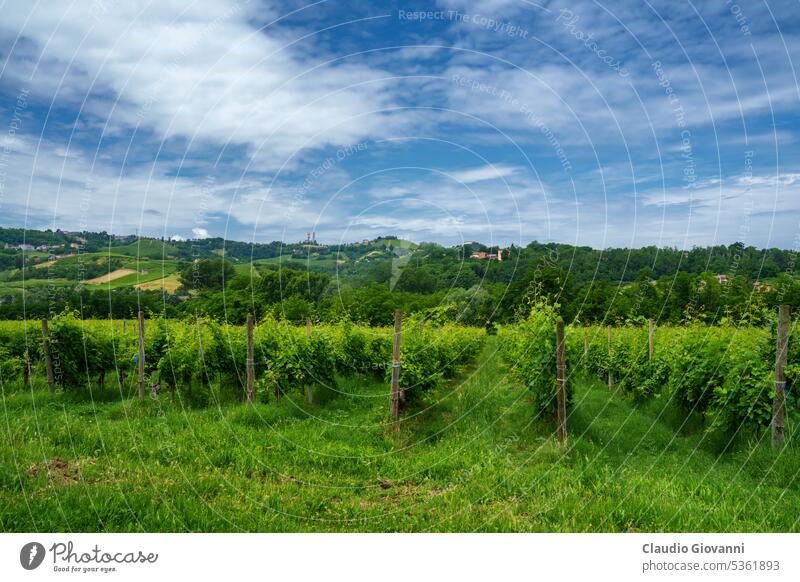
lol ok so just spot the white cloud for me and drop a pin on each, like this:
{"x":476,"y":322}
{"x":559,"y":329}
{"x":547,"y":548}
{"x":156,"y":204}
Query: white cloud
{"x":484,"y":6}
{"x":200,"y":71}
{"x":489,"y":172}
{"x":206,"y":73}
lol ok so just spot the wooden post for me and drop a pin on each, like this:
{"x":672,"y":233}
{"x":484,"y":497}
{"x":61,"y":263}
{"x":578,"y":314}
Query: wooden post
{"x":309,"y":388}
{"x":395,"y":389}
{"x":141,"y":355}
{"x":650,"y":338}
{"x":250,"y":363}
{"x":781,"y":351}
{"x":610,"y":375}
{"x":26,"y":370}
{"x":585,"y":342}
{"x":561,"y":383}
{"x":199,"y":331}
{"x":124,"y":326}
{"x":48,"y":360}
{"x":200,"y":355}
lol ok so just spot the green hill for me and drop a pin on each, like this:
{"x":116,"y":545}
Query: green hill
{"x":150,"y":248}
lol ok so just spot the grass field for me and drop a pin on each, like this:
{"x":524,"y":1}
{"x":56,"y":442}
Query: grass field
{"x":470,"y":457}
{"x":152,"y":270}
{"x":108,"y":277}
{"x":245,"y":269}
{"x":34,"y":283}
{"x":147,"y":248}
{"x":134,"y":270}
{"x":83,"y":258}
{"x":167,"y":284}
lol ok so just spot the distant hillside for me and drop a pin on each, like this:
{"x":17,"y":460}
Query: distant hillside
{"x":152,"y":249}
{"x":373,"y":277}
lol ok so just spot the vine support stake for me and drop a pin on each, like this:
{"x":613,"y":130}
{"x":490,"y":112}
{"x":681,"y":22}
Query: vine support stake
{"x":199,"y":331}
{"x":26,"y":370}
{"x":48,"y":360}
{"x":651,"y":338}
{"x":610,"y":375}
{"x":141,"y":355}
{"x":781,"y":351}
{"x":561,"y":383}
{"x":585,"y":342}
{"x":200,"y":354}
{"x":395,"y":389}
{"x":309,"y":389}
{"x":250,"y":371}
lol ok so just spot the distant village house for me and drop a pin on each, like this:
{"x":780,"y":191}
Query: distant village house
{"x":483,"y":255}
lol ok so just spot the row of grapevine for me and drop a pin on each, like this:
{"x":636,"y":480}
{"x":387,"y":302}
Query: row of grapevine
{"x":185,"y":355}
{"x":529,"y":347}
{"x":19,"y":342}
{"x":724,"y":374}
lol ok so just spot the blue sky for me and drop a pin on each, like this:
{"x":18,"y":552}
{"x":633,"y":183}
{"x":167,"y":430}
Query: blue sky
{"x":592,"y":123}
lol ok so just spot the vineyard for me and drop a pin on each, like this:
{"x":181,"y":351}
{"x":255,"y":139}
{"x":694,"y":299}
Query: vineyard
{"x":723,"y":375}
{"x":667,"y":427}
{"x":201,"y":360}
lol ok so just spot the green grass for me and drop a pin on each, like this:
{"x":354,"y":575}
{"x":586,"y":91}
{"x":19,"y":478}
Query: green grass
{"x":470,"y":457}
{"x":245,"y":269}
{"x":34,"y":283}
{"x":153,"y":249}
{"x":155,"y":270}
{"x":85,"y":258}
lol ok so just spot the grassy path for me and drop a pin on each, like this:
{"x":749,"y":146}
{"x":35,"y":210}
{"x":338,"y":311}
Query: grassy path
{"x":469,"y":457}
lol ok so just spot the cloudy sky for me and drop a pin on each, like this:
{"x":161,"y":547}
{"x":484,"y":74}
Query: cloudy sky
{"x":597,"y":123}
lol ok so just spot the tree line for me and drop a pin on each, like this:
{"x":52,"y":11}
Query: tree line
{"x":708,"y":284}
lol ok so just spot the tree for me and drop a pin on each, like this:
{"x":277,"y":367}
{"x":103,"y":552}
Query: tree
{"x":277,"y":286}
{"x":416,"y":280}
{"x":295,"y":309}
{"x":207,"y":274}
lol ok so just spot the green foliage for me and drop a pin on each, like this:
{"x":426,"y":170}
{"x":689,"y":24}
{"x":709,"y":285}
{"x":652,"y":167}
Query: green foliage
{"x":530,"y":348}
{"x":430,"y":354}
{"x":180,"y":363}
{"x":277,"y":286}
{"x":359,"y":350}
{"x":67,"y":350}
{"x":295,"y":309}
{"x":722,"y":373}
{"x":10,"y":366}
{"x":207,"y":274}
{"x":21,"y":339}
{"x":81,"y":350}
{"x":286,"y":359}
